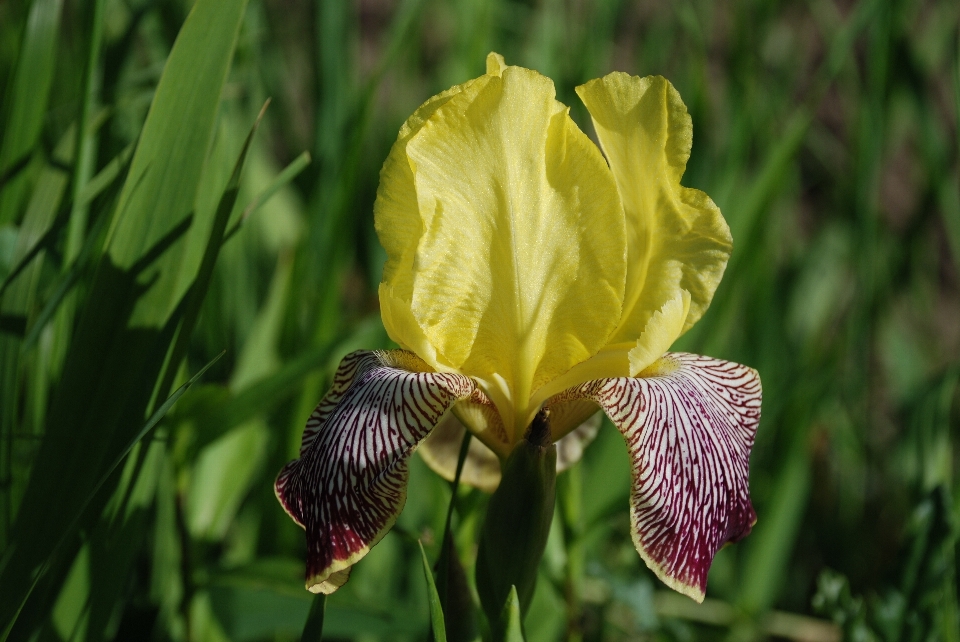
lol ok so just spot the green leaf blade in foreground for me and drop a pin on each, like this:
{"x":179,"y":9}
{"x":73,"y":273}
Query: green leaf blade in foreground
{"x":26,"y":103}
{"x":166,"y":169}
{"x":128,"y":320}
{"x":313,"y":628}
{"x":436,"y":611}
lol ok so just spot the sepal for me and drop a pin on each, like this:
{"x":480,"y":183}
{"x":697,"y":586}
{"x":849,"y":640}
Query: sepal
{"x":350,"y":483}
{"x":689,"y":424}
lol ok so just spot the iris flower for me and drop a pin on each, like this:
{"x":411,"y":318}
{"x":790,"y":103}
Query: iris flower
{"x":526,"y":270}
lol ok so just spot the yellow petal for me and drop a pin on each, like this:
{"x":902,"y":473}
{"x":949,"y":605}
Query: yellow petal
{"x":403,"y":329}
{"x":514,"y":258}
{"x":395,"y":211}
{"x":662,"y":330}
{"x":623,"y":359}
{"x":495,"y":64}
{"x":677,"y":237}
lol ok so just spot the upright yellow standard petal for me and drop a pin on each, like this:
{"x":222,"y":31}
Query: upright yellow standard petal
{"x":509,"y":245}
{"x":677,"y":237}
{"x":395,"y":210}
{"x":662,"y":330}
{"x":495,"y":64}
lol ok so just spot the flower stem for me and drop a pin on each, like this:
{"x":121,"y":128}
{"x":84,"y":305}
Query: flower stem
{"x":570,"y":503}
{"x":517,"y":522}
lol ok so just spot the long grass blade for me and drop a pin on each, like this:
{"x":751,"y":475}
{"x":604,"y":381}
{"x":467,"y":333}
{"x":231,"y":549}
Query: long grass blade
{"x":313,"y":627}
{"x":128,"y":321}
{"x":26,"y":100}
{"x":289,"y":173}
{"x":433,"y":598}
{"x":154,"y":419}
{"x":198,"y":290}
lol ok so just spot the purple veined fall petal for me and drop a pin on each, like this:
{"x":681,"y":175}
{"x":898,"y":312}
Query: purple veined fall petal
{"x":689,"y":424}
{"x":350,"y":483}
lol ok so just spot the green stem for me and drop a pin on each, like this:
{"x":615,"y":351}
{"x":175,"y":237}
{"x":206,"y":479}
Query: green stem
{"x":452,"y":585}
{"x":517,"y":523}
{"x":461,"y":459}
{"x":570,"y":503}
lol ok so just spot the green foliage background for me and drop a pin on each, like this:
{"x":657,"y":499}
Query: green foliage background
{"x":131,"y":256}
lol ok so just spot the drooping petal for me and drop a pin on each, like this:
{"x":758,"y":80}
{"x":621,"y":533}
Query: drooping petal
{"x":677,"y":237}
{"x":571,"y":446}
{"x":441,"y":449}
{"x":518,"y":239}
{"x":350,"y":482}
{"x":689,"y":425}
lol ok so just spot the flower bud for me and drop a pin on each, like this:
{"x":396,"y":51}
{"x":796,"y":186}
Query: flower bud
{"x":518,"y":520}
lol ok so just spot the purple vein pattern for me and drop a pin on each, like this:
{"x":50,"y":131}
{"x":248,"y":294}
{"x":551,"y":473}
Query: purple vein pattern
{"x":349,"y":484}
{"x":689,"y":430}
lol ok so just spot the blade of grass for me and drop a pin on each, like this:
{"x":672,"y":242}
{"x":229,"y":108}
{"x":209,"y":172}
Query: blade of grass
{"x":289,"y":173}
{"x":437,"y":626}
{"x":85,"y":160}
{"x":313,"y":628}
{"x":144,"y":430}
{"x":198,"y":291}
{"x":27,"y":96}
{"x":128,"y":319}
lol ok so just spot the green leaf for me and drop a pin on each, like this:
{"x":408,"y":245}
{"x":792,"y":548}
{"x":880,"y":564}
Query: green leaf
{"x":128,"y":321}
{"x":436,"y":611}
{"x":26,"y":103}
{"x":289,"y":172}
{"x":313,"y":627}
